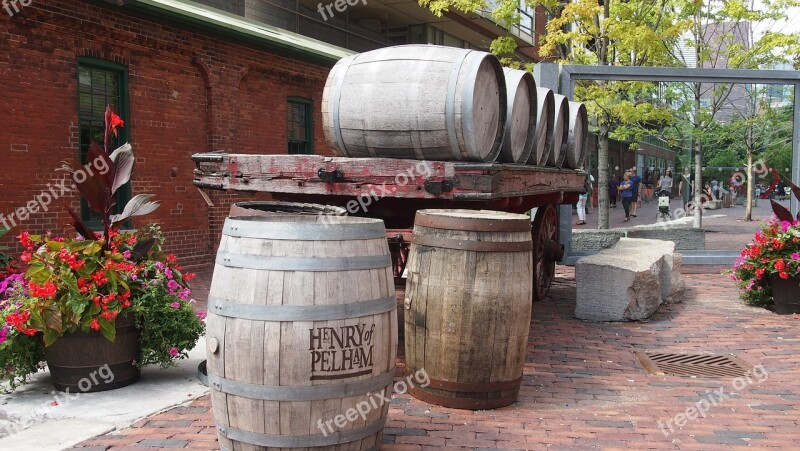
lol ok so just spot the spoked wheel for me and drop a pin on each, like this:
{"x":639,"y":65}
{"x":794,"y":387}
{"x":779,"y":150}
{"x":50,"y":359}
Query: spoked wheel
{"x":546,"y":250}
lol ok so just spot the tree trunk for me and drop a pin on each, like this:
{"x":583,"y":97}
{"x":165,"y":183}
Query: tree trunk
{"x":748,"y":211}
{"x":602,"y":177}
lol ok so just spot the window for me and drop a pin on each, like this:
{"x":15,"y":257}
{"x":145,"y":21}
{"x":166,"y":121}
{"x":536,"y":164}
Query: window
{"x":101,"y":83}
{"x":300,"y":135}
{"x":526,"y":15}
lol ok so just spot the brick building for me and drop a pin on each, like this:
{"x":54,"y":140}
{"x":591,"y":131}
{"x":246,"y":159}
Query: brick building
{"x":183,"y":83}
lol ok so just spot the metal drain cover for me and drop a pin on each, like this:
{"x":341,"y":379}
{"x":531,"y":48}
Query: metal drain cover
{"x":698,"y":365}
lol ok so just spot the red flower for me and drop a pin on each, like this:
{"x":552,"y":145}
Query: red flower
{"x":780,"y":265}
{"x":95,"y":325}
{"x":116,"y":121}
{"x":99,"y":277}
{"x":25,"y":240}
{"x":46,"y":291}
{"x":783,"y":275}
{"x":759,"y":272}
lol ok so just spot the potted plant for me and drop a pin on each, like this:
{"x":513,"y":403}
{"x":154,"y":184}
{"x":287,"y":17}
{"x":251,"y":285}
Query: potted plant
{"x":98,"y":304}
{"x":768,"y":270}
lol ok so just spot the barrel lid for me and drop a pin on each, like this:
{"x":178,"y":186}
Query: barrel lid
{"x":473,"y":220}
{"x":320,"y":227}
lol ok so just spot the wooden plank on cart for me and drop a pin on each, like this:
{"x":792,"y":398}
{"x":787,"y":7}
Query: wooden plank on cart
{"x":379,"y":177}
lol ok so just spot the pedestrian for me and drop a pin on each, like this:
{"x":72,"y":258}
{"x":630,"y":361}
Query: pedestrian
{"x":636,"y":187}
{"x":715,"y":188}
{"x":626,"y":189}
{"x":648,"y":186}
{"x":612,"y":192}
{"x":587,"y":191}
{"x":685,"y":187}
{"x":665,"y":183}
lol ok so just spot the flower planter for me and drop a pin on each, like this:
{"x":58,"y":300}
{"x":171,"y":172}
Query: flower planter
{"x":786,"y":293}
{"x":88,"y":362}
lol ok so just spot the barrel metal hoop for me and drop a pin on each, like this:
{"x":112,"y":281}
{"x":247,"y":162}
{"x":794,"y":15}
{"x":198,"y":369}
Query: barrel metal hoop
{"x":463,"y":403}
{"x":309,"y":264}
{"x":279,"y":313}
{"x":450,"y":108}
{"x":472,"y":387}
{"x":302,"y":231}
{"x":336,"y":94}
{"x":300,"y":441}
{"x":469,"y":245}
{"x":467,"y":224}
{"x":306,"y":393}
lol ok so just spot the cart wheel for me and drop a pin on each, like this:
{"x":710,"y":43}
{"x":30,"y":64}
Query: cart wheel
{"x":546,"y":250}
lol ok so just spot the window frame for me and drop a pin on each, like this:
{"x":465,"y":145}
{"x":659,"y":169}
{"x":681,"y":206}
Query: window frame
{"x":124,"y":192}
{"x":309,"y":110}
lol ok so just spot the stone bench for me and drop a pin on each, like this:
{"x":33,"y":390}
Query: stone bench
{"x":629,"y":281}
{"x":713,"y":205}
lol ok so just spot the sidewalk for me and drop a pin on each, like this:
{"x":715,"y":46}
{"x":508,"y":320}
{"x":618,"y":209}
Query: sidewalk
{"x":725,"y":228}
{"x":583,"y":388}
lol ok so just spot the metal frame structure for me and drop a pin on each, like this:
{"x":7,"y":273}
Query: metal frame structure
{"x":570,"y":73}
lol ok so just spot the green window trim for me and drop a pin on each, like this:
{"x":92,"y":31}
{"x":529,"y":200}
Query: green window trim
{"x":96,"y":78}
{"x":300,"y":126}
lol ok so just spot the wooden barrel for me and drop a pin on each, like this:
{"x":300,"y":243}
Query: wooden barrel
{"x":578,"y":139}
{"x":520,"y":129}
{"x":301,"y":332}
{"x":558,"y":149}
{"x":468,"y":306}
{"x":423,"y":102}
{"x":85,"y":362}
{"x":545,"y":113}
{"x":271,"y":208}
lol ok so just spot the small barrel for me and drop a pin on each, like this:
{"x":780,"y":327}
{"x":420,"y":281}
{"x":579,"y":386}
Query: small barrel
{"x":422,"y":102}
{"x":578,"y":137}
{"x":301,"y":329}
{"x":545,"y":113}
{"x":468,"y":306}
{"x":271,"y":208}
{"x":558,"y":149}
{"x":85,"y":362}
{"x":520,"y":128}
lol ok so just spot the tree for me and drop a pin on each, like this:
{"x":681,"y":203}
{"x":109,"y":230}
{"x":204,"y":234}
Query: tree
{"x":721,"y":36}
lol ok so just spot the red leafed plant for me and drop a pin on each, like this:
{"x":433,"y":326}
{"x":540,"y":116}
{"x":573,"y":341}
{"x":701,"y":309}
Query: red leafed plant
{"x":100,"y":179}
{"x":775,"y":251}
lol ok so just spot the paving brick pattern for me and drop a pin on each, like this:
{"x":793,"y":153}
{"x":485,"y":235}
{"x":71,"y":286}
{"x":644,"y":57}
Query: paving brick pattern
{"x":584,"y":389}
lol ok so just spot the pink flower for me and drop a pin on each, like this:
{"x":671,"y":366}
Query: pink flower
{"x":201,"y":315}
{"x":785,"y":225}
{"x":173,"y":352}
{"x":168,"y":273}
{"x":173,"y":285}
{"x":796,"y":256}
{"x":184,"y":294}
{"x":127,"y":254}
{"x":175,"y":305}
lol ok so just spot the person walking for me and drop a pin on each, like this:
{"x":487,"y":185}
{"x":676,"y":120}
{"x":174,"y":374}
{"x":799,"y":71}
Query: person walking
{"x":636,"y":187}
{"x":581,"y":207}
{"x":685,"y":187}
{"x":612,"y":192}
{"x":626,"y":189}
{"x":665,"y":183}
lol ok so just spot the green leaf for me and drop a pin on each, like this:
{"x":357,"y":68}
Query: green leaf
{"x":107,"y":329}
{"x":50,"y":336}
{"x":94,"y":309}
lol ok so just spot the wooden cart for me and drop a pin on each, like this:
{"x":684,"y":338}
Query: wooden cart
{"x":394,"y":189}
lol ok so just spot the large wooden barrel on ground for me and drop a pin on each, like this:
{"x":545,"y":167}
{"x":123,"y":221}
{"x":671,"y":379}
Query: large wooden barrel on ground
{"x":520,"y":129}
{"x":468,"y":306}
{"x":558,"y":149}
{"x":545,"y":113}
{"x":301,"y":332}
{"x":578,"y":138}
{"x":423,"y":102}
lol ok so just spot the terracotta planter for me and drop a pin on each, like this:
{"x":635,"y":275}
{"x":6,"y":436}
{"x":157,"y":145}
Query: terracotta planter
{"x":88,"y":362}
{"x":786,"y":293}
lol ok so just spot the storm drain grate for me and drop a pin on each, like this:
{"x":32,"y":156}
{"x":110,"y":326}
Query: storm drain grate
{"x":698,"y":365}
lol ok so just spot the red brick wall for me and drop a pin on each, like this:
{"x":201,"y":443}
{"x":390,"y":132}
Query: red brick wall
{"x":189,"y":92}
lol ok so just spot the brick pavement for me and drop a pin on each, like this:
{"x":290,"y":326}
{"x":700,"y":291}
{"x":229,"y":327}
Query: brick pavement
{"x":583,"y":388}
